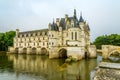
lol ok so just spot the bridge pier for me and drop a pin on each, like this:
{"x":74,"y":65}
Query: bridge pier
{"x":38,"y":51}
{"x":53,"y":53}
{"x":20,"y":51}
{"x":29,"y":50}
{"x":92,"y":51}
{"x":105,"y":51}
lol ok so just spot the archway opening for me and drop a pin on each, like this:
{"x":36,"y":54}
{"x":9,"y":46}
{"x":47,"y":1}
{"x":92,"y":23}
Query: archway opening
{"x":86,"y":55}
{"x":43,"y":51}
{"x":114,"y":53}
{"x":62,"y":53}
{"x":16,"y":50}
{"x":33,"y":50}
{"x":24,"y":50}
{"x":114,"y":56}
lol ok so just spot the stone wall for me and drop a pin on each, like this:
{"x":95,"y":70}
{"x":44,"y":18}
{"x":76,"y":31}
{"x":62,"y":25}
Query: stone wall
{"x":107,"y":71}
{"x":92,"y":51}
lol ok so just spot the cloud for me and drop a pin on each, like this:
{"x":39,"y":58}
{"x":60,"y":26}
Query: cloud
{"x":102,"y":15}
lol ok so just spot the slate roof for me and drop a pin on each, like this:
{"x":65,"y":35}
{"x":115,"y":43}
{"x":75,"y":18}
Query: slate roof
{"x":34,"y":31}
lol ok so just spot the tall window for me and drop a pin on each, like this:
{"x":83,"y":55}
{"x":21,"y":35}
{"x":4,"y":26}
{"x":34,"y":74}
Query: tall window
{"x":75,"y":35}
{"x":26,"y":35}
{"x":52,"y":43}
{"x":34,"y":43}
{"x":16,"y":44}
{"x":31,"y":34}
{"x":72,"y":35}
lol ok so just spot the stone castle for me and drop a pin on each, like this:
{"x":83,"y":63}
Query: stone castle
{"x":67,"y":36}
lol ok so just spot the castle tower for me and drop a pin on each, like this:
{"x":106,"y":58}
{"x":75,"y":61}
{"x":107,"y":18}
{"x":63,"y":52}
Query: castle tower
{"x":17,"y":32}
{"x":75,"y":16}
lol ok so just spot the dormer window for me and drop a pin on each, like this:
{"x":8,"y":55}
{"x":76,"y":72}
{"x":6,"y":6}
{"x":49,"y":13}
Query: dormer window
{"x":35,"y":34}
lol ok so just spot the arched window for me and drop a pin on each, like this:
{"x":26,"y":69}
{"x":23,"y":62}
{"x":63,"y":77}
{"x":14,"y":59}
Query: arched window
{"x":22,"y":35}
{"x":26,"y":35}
{"x":35,"y":34}
{"x":45,"y":33}
{"x":31,"y":34}
{"x":34,"y":43}
{"x":75,"y":35}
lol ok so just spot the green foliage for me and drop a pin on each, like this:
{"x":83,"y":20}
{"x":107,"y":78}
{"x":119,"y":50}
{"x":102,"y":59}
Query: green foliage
{"x":113,"y":39}
{"x":6,"y":39}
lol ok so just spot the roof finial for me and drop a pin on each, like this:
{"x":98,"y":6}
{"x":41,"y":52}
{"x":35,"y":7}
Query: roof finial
{"x":75,"y":13}
{"x":53,"y":21}
{"x":81,"y":18}
{"x":81,"y":13}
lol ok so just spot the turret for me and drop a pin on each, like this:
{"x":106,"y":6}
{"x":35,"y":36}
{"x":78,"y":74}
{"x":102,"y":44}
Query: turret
{"x":57,"y":21}
{"x":81,"y":18}
{"x":17,"y":32}
{"x":66,"y":17}
{"x":72,"y":23}
{"x":75,"y":14}
{"x":49,"y":26}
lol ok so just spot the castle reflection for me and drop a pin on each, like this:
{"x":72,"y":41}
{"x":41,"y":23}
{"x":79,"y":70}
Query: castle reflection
{"x":55,"y":69}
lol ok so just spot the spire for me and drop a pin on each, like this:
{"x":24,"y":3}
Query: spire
{"x":74,"y":13}
{"x":88,"y":27}
{"x":81,"y":18}
{"x":53,"y":21}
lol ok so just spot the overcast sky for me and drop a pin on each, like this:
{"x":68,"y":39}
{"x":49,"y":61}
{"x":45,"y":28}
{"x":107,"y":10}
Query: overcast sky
{"x":103,"y":16}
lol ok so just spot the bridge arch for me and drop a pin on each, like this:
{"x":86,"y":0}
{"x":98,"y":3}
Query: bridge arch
{"x":115,"y":52}
{"x":16,"y":50}
{"x":62,"y":53}
{"x":24,"y":50}
{"x":44,"y":51}
{"x":108,"y":50}
{"x":33,"y":50}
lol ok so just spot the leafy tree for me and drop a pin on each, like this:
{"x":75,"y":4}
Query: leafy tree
{"x":6,"y":39}
{"x":1,"y":41}
{"x":113,"y":39}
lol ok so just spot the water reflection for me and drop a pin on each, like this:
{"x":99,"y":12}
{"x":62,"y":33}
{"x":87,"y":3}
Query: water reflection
{"x":55,"y":69}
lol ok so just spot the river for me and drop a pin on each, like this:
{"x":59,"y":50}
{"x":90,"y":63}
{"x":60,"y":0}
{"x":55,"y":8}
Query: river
{"x":37,"y":67}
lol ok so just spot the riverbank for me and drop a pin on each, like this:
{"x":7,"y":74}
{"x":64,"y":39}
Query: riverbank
{"x":1,"y":52}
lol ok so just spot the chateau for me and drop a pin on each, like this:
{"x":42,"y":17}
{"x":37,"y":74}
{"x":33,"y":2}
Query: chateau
{"x":68,"y":36}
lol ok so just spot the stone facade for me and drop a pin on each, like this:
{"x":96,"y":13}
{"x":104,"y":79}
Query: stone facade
{"x":69,"y":33}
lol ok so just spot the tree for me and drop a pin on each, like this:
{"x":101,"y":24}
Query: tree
{"x":6,"y":39}
{"x":113,"y":39}
{"x":2,"y":41}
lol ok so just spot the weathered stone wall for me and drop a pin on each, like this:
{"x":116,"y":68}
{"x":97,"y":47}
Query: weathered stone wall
{"x":107,"y":71}
{"x":11,"y":50}
{"x":107,"y":50}
{"x":92,"y":51}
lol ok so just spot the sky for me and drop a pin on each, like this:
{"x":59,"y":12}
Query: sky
{"x":103,"y":16}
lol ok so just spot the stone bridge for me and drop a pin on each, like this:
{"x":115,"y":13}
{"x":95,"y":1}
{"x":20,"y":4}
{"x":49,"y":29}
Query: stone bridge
{"x":76,"y":52}
{"x":108,"y":50}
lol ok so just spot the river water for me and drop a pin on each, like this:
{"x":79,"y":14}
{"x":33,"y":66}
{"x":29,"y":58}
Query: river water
{"x":36,"y":67}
